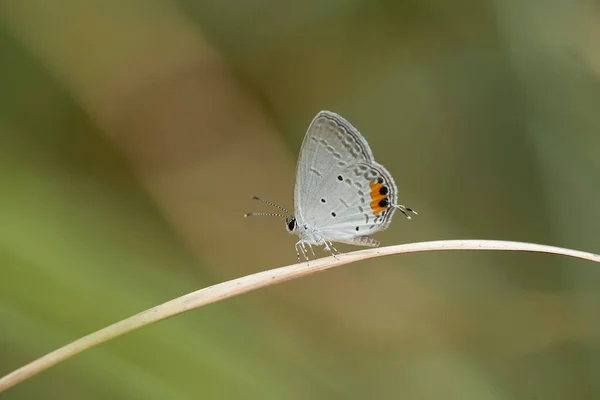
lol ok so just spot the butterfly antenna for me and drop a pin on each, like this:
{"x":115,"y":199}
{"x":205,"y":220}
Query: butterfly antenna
{"x":272,"y":205}
{"x":265,"y":215}
{"x":404,"y":210}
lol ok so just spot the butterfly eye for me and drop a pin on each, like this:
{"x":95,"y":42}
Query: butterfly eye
{"x":291,"y":224}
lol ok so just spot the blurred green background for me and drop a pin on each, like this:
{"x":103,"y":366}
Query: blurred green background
{"x":133,"y":133}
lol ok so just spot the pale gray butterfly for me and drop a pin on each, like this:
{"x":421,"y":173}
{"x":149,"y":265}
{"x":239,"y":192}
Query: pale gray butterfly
{"x":341,"y":194}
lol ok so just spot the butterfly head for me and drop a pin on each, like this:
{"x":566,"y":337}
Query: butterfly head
{"x":290,"y":224}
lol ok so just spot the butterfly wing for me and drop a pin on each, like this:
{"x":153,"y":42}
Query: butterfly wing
{"x":354,"y":202}
{"x":331,"y":144}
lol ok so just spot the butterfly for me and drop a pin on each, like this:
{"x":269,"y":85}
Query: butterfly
{"x":341,"y":193}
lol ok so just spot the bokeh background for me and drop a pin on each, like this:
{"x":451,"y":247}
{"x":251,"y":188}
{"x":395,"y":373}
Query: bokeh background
{"x":133,"y":133}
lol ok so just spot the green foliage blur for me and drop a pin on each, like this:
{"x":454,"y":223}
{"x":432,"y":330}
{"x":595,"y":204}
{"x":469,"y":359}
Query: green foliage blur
{"x":133,"y":133}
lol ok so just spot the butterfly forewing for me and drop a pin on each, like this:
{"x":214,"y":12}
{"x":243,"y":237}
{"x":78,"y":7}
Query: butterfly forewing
{"x":331,"y":144}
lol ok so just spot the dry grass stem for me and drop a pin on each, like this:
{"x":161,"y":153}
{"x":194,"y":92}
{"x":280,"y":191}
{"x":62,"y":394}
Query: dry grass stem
{"x":259,"y":280}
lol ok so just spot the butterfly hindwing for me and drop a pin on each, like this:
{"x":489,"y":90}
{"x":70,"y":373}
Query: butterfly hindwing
{"x":353,"y":202}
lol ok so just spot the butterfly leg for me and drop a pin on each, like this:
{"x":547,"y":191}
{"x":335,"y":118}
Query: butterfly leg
{"x":311,"y":250}
{"x":306,"y":251}
{"x":297,"y":252}
{"x":301,"y":248}
{"x":334,"y":249}
{"x":329,"y":248}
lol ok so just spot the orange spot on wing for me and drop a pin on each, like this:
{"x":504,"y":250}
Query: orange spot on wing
{"x":376,"y":197}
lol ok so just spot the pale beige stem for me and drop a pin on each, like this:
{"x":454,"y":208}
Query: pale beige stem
{"x":248,"y":283}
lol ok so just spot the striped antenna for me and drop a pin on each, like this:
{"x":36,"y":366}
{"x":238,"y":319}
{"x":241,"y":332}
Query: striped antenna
{"x":289,"y":214}
{"x":265,"y":215}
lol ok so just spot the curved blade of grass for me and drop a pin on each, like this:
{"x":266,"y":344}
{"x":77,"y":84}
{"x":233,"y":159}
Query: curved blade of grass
{"x":259,"y":280}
